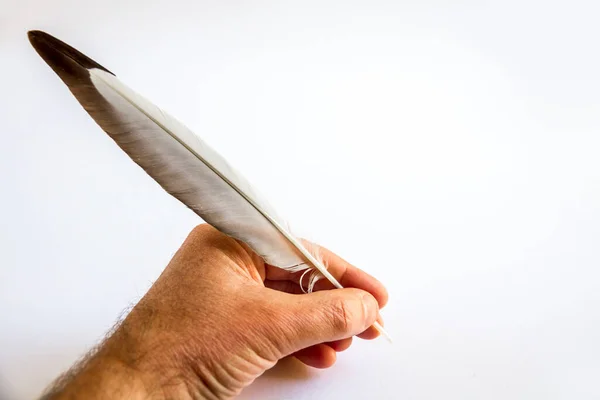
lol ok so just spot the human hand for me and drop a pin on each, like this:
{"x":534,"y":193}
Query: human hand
{"x":218,"y":317}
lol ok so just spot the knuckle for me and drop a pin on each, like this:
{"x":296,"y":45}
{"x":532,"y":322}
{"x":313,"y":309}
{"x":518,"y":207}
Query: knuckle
{"x":200,"y":230}
{"x":344,"y":316}
{"x":205,"y":234}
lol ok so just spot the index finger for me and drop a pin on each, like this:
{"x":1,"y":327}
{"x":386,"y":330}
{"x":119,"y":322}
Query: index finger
{"x":346,"y":274}
{"x":350,"y":276}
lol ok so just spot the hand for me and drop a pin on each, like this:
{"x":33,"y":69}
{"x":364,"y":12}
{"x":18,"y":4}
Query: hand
{"x":218,"y":317}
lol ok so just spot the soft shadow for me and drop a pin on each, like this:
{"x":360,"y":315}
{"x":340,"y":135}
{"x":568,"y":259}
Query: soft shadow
{"x":279,"y":381}
{"x":4,"y":392}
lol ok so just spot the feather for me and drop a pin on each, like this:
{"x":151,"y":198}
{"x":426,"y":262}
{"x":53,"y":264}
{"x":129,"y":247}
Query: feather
{"x":180,"y":161}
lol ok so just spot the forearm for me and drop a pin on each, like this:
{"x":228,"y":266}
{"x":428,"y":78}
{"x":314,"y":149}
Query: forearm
{"x":99,"y":377}
{"x":109,"y":373}
{"x":144,"y":358}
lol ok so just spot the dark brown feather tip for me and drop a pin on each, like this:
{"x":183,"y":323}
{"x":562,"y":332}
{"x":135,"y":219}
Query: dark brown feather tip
{"x":61,"y":57}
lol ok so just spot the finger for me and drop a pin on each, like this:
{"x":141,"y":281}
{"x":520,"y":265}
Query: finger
{"x":292,"y":288}
{"x":340,"y":345}
{"x":347,"y":275}
{"x":317,"y":356}
{"x":352,"y":277}
{"x":371,"y":332}
{"x":328,"y":316}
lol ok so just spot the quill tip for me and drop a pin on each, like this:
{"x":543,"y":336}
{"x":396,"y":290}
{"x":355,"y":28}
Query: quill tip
{"x":383,"y":332}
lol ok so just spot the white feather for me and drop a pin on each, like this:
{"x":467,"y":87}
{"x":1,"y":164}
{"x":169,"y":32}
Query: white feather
{"x":201,"y":178}
{"x":181,"y":162}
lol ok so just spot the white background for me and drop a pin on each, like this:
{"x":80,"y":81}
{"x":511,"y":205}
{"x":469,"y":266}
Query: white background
{"x":449,"y":148}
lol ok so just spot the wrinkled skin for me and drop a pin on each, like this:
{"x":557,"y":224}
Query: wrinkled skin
{"x":217,"y":318}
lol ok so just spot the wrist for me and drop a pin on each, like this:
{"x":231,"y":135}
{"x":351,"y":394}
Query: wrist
{"x":156,"y":359}
{"x":142,"y":363}
{"x":175,"y":360}
{"x":118,"y":370}
{"x":100,"y":376}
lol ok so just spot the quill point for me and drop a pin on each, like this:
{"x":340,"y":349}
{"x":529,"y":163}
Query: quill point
{"x":383,"y":332}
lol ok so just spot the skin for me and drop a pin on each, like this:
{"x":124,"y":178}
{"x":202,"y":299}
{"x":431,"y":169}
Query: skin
{"x":217,"y":318}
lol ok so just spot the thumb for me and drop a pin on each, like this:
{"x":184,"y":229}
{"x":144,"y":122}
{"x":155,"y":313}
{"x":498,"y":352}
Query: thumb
{"x":329,"y":315}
